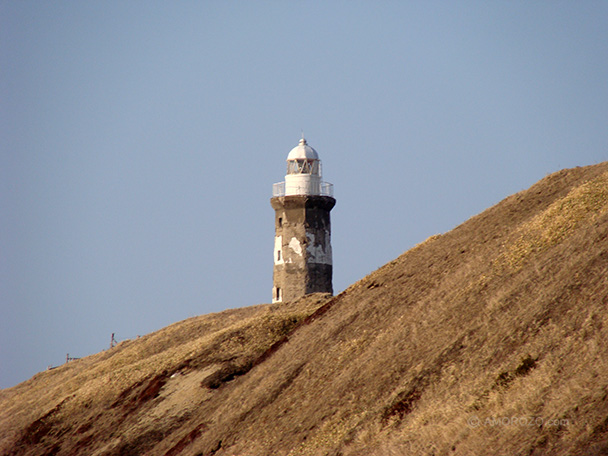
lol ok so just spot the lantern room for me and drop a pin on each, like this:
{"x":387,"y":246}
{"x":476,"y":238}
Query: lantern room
{"x":303,"y":173}
{"x":303,"y":159}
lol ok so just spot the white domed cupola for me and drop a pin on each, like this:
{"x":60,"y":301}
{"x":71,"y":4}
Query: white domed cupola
{"x":303,"y":159}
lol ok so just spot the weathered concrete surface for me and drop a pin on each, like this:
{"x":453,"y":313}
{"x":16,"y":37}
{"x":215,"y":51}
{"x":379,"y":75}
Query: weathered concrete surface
{"x":302,"y":253}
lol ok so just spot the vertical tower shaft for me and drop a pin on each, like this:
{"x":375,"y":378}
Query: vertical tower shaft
{"x":302,"y":252}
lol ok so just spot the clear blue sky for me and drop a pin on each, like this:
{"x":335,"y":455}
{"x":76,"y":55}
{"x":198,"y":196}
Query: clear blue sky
{"x":139,"y":142}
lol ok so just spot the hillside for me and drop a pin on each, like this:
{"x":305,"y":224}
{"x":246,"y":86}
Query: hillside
{"x":489,"y":339}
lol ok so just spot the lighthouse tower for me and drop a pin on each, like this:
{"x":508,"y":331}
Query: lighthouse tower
{"x":302,"y":243}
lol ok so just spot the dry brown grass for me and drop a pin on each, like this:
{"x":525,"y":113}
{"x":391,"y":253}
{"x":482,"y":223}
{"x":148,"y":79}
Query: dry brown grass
{"x":583,"y":204}
{"x":489,"y":339}
{"x":184,"y":353}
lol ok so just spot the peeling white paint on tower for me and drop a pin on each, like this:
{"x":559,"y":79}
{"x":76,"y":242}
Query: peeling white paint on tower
{"x":319,"y":252}
{"x":295,"y":245}
{"x":302,"y":251}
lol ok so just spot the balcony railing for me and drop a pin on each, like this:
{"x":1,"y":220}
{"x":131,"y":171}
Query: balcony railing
{"x":278,"y":189}
{"x":326,"y":189}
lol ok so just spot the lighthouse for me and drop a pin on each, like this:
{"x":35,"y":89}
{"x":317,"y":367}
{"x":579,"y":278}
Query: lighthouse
{"x":302,"y":243}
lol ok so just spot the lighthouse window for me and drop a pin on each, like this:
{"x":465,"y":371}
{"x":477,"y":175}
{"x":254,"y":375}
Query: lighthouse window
{"x":278,"y":297}
{"x":278,"y":255}
{"x":303,"y":166}
{"x":280,"y":222}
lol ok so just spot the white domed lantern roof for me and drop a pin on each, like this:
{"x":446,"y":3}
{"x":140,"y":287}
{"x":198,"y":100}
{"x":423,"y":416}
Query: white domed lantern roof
{"x":303,"y":159}
{"x":302,"y":152}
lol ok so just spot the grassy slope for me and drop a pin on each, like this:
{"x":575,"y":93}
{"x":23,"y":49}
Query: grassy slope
{"x":503,"y":317}
{"x":124,"y":400}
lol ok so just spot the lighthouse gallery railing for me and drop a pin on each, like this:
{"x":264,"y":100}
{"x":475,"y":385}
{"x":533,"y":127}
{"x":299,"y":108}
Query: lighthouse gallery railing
{"x":326,"y":189}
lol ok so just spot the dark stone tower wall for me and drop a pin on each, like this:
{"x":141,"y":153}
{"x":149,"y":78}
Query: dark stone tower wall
{"x":302,"y":253}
